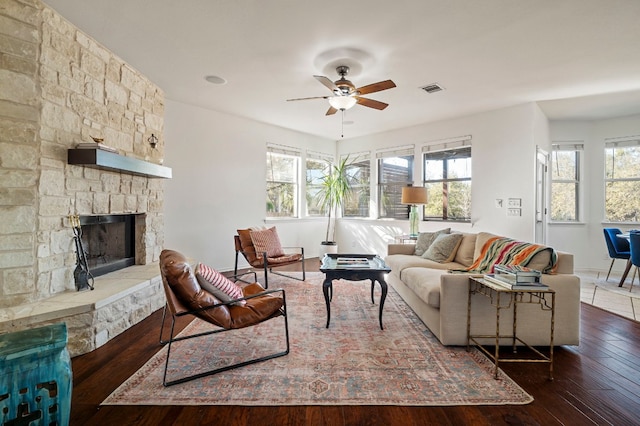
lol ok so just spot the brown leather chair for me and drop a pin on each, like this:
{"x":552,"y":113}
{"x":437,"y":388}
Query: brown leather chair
{"x":244,"y":245}
{"x":186,"y":297}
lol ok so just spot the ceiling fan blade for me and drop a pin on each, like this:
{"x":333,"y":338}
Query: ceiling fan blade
{"x":371,"y":103}
{"x":331,"y":111}
{"x":376,"y":87}
{"x":312,"y":97}
{"x":328,"y":83}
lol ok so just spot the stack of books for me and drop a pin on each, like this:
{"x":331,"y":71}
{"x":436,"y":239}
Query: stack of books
{"x":95,"y":145}
{"x":516,"y":277}
{"x":353,"y":262}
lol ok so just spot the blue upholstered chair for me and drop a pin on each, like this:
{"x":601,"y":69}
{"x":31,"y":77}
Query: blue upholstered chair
{"x":618,"y":247}
{"x":634,"y":245}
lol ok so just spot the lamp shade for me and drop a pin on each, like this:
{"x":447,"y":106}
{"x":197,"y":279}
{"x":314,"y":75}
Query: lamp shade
{"x":342,"y":102}
{"x":414,"y":195}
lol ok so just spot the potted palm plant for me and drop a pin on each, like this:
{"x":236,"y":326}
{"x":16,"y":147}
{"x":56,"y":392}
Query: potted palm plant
{"x":334,"y":190}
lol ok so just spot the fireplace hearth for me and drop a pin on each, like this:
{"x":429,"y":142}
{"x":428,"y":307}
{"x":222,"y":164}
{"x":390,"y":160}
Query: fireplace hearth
{"x":109,"y":242}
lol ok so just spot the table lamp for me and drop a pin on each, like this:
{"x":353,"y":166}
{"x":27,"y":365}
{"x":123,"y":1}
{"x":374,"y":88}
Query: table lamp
{"x":414,"y":195}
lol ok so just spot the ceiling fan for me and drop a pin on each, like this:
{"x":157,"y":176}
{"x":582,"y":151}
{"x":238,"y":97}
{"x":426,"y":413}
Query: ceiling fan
{"x":346,"y":95}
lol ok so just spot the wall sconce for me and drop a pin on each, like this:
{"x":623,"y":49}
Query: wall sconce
{"x":153,"y":141}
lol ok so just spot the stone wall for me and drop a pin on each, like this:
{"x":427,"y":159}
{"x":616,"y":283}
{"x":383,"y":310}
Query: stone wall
{"x":59,"y":87}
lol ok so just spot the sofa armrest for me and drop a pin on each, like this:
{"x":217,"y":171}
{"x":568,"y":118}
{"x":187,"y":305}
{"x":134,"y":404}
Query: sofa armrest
{"x":401,"y":249}
{"x":565,"y":262}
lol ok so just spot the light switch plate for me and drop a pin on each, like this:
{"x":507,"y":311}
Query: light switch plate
{"x":514,"y":202}
{"x":498,"y":203}
{"x":513,"y":212}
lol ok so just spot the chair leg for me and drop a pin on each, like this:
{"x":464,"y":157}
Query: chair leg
{"x":610,"y":266}
{"x":633,"y":279}
{"x":593,"y":298}
{"x":235,"y":268}
{"x":164,"y":315}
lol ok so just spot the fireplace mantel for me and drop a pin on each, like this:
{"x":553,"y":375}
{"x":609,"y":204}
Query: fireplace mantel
{"x":116,"y":162}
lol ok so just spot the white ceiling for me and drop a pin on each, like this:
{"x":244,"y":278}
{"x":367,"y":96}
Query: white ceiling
{"x":578,"y":58}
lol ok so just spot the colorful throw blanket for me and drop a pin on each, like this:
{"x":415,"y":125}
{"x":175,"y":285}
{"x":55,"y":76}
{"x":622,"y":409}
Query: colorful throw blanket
{"x":505,"y":251}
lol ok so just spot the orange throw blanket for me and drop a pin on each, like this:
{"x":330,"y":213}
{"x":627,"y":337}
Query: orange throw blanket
{"x":505,"y":251}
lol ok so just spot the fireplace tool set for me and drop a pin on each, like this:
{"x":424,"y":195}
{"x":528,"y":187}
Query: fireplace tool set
{"x":82,"y":275}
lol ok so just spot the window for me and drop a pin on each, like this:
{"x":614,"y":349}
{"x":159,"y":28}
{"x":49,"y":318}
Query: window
{"x":317,"y":166}
{"x":447,"y":177}
{"x":565,"y":181}
{"x":359,"y":174}
{"x":283,"y":168}
{"x":622,"y":181}
{"x":395,"y":171}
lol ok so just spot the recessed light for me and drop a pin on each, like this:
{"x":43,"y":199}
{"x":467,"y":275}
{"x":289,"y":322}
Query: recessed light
{"x":348,"y":122}
{"x":214,"y":79}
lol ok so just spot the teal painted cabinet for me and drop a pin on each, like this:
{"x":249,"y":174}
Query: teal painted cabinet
{"x":35,"y":377}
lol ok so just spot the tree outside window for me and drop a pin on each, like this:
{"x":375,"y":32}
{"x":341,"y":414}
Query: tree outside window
{"x":315,"y":170}
{"x":282,"y":184}
{"x":447,"y":177}
{"x":359,"y":175}
{"x":622,"y":181}
{"x":565,"y":182}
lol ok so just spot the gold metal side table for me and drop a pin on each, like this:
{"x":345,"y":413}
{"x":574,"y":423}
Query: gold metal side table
{"x":505,"y":298}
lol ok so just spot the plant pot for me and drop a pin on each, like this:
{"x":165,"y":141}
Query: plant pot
{"x":327,"y":247}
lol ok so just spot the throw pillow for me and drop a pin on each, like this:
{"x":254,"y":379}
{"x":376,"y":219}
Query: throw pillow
{"x":217,"y":284}
{"x":266,"y":240}
{"x":443,"y":248}
{"x":425,"y":239}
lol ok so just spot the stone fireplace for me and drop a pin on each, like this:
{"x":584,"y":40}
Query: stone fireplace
{"x":63,"y":89}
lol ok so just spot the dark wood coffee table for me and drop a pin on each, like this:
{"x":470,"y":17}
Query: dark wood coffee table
{"x":357,"y":267}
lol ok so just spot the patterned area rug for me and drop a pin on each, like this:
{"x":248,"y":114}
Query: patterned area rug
{"x":352,"y":362}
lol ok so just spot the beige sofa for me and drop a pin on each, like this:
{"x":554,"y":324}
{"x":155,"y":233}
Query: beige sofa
{"x":440,"y":298}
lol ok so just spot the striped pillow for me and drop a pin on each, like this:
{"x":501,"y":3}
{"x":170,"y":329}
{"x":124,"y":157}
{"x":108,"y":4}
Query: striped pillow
{"x":266,"y":240}
{"x":218,"y":285}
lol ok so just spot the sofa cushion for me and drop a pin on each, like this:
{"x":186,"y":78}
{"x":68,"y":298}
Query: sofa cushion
{"x":400,"y":262}
{"x":425,"y":283}
{"x":466,"y":249}
{"x":425,"y":239}
{"x":540,"y":261}
{"x":481,"y":240}
{"x":444,"y":247}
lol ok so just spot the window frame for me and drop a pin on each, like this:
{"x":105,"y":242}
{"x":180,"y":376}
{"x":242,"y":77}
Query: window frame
{"x":619,"y":143}
{"x":328,"y":161}
{"x":441,"y":150}
{"x":363,"y":186}
{"x":395,"y":186}
{"x":285,"y":152}
{"x":577,"y":148}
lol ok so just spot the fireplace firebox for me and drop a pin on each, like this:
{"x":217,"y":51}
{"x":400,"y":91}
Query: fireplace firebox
{"x":109,"y":241}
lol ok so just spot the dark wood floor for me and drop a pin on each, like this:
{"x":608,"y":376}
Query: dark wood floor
{"x":596,"y":383}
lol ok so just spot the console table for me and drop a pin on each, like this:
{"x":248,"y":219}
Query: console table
{"x":505,"y":298}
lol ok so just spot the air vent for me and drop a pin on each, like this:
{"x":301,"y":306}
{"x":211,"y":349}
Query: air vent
{"x":432,"y":88}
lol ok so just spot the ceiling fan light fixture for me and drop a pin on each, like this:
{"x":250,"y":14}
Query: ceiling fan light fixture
{"x":342,"y":102}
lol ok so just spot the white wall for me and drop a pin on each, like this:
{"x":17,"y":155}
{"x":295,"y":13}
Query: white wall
{"x":218,"y":186}
{"x":503,"y":162}
{"x":585,"y":239}
{"x":218,"y":183}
